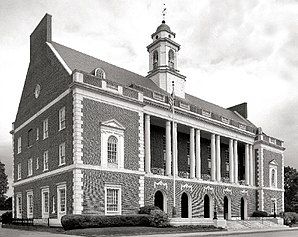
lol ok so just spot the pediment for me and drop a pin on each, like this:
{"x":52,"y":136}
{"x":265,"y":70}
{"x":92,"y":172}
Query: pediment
{"x":113,"y":123}
{"x":273,"y":162}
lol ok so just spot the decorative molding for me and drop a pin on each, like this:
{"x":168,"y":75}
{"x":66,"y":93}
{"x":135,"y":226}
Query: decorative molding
{"x":77,"y":128}
{"x":209,"y":189}
{"x":160,"y":183}
{"x":244,"y":192}
{"x":186,"y":187}
{"x":77,"y":191}
{"x":227,"y":190}
{"x":273,"y":162}
{"x":141,"y":191}
{"x":141,"y":143}
{"x":113,"y":123}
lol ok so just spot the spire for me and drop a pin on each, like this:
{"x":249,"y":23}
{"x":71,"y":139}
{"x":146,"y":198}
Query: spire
{"x":164,"y":14}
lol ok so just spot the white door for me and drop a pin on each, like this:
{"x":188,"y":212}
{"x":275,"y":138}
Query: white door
{"x":61,"y":202}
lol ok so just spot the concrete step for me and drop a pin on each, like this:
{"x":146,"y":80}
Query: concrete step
{"x":192,"y":221}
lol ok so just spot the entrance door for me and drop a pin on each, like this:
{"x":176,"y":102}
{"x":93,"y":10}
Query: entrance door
{"x":158,"y":200}
{"x":226,"y":208}
{"x":61,"y":202}
{"x":242,"y":208}
{"x":206,"y":206}
{"x":184,"y":205}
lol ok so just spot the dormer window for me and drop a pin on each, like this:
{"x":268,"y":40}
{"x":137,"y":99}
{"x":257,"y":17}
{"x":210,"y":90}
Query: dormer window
{"x":99,"y":72}
{"x":171,"y":58}
{"x":155,"y":59}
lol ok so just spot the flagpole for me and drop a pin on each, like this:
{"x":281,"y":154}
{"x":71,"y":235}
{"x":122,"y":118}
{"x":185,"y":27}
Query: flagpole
{"x":174,"y":152}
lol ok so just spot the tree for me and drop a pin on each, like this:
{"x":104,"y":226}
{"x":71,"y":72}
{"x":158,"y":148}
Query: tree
{"x":3,"y":185}
{"x":291,"y":189}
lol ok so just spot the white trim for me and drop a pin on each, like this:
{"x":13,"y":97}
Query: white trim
{"x":59,"y":58}
{"x":45,"y":214}
{"x":62,"y":114}
{"x":59,"y":212}
{"x":45,"y":128}
{"x":271,"y":168}
{"x":19,"y":145}
{"x":77,"y":191}
{"x":46,"y":158}
{"x":57,"y":99}
{"x":273,"y":189}
{"x":30,"y":193}
{"x":18,"y":208}
{"x":141,"y":155}
{"x":119,"y":204}
{"x":19,"y":170}
{"x":61,"y":151}
{"x":269,"y":148}
{"x":30,"y":166}
{"x":141,"y":191}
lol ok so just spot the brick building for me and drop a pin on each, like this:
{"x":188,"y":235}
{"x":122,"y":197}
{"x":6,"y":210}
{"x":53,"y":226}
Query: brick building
{"x":91,"y":137}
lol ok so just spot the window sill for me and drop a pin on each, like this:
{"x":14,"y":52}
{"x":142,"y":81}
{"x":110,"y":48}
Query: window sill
{"x":45,"y":170}
{"x":61,"y":164}
{"x":45,"y":138}
{"x":60,"y":129}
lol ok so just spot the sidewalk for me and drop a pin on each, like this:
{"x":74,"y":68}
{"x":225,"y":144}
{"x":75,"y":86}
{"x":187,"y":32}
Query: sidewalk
{"x":221,"y":233}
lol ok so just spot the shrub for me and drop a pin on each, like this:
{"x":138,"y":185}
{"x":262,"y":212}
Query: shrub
{"x":7,"y":217}
{"x":95,"y":221}
{"x":147,"y":209}
{"x":259,"y":214}
{"x":158,"y":218}
{"x":290,"y":218}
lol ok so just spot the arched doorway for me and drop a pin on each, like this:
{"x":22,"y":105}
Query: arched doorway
{"x":242,"y":209}
{"x":226,"y":208}
{"x":184,"y":206}
{"x":159,"y":200}
{"x":206,"y":206}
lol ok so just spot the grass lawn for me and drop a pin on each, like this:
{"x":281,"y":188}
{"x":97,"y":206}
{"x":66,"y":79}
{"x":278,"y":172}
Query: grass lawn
{"x":118,"y":231}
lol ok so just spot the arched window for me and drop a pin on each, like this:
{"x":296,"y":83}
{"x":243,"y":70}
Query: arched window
{"x":99,"y":72}
{"x":171,"y":58}
{"x":112,"y":150}
{"x":155,"y":59}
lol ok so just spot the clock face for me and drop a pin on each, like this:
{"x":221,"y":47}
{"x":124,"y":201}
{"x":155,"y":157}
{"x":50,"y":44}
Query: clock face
{"x":37,"y":91}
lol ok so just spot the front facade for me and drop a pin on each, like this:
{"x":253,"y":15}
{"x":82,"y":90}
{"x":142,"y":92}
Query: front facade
{"x":92,"y":138}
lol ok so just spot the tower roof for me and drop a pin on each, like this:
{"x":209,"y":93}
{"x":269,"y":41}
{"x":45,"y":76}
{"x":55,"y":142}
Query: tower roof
{"x":163,"y":27}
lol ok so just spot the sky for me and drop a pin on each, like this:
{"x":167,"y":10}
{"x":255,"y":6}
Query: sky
{"x":232,"y":51}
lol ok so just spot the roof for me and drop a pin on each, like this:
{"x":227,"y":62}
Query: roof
{"x":163,"y":27}
{"x":80,"y":61}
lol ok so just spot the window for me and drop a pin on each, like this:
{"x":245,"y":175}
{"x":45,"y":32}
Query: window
{"x":30,"y":137}
{"x":273,"y":205}
{"x":19,"y":171}
{"x":30,"y":204}
{"x":112,"y":144}
{"x":19,"y":205}
{"x":62,"y":118}
{"x":37,"y":134}
{"x":61,"y":200}
{"x":37,"y":163}
{"x":209,"y":159}
{"x":62,"y":154}
{"x":155,"y":59}
{"x":227,"y":163}
{"x":45,"y":160}
{"x":45,"y":129}
{"x":30,"y":161}
{"x":99,"y":72}
{"x":171,"y":58}
{"x":19,"y":145}
{"x":113,"y":200}
{"x":112,"y":150}
{"x":273,"y":174}
{"x":45,"y":202}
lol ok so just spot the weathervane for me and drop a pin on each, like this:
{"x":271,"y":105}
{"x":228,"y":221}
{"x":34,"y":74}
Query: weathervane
{"x":164,"y":13}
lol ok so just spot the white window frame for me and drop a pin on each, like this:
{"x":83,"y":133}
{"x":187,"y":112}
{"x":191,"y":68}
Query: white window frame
{"x":19,"y":145}
{"x":45,"y":126}
{"x":37,"y":134}
{"x":30,"y":167}
{"x":273,"y":166}
{"x":37,"y":163}
{"x":112,"y":128}
{"x":272,"y":206}
{"x":19,"y":205}
{"x":19,"y":171}
{"x":61,"y":213}
{"x":62,"y":121}
{"x":44,"y":213}
{"x":119,"y":204}
{"x":46,"y":161}
{"x":62,"y":154}
{"x":30,"y":206}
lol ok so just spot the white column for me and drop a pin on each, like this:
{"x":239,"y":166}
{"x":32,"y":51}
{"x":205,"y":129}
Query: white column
{"x":168,"y":148}
{"x":147,"y":145}
{"x":235,"y":161}
{"x":213,"y":177}
{"x":174,"y":150}
{"x":231,"y":161}
{"x":192,"y":152}
{"x":218,"y":159}
{"x":198,"y":154}
{"x":246,"y":164}
{"x":251,"y":167}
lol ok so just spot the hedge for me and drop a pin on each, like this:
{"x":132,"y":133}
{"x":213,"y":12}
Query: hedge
{"x":259,"y":214}
{"x":95,"y":221}
{"x":6,"y":217}
{"x":290,"y":218}
{"x":147,"y":209}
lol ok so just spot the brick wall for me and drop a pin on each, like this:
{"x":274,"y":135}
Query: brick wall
{"x":197,"y":192}
{"x":94,"y":187}
{"x":268,"y":194}
{"x":96,"y":112}
{"x":267,"y":157}
{"x":36,"y":186}
{"x":51,"y":143}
